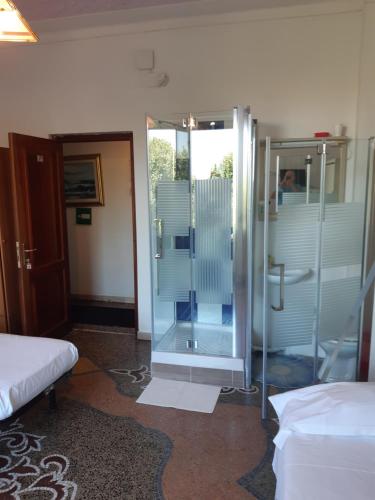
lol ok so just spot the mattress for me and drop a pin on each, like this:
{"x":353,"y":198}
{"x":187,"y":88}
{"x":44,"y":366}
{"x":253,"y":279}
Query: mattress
{"x":28,"y":365}
{"x":316,"y":467}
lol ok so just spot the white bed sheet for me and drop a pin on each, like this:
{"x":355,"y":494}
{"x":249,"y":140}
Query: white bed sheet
{"x":312,"y":467}
{"x":28,"y":365}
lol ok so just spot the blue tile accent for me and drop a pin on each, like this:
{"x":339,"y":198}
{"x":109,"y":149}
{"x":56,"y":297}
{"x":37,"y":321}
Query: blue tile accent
{"x":227,"y":314}
{"x":195,"y":306}
{"x":183,"y":309}
{"x":192,"y":234}
{"x":186,"y":242}
{"x":182,"y":242}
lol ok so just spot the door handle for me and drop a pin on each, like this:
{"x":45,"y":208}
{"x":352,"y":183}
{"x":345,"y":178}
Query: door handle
{"x":159,"y":238}
{"x":26,"y":257}
{"x":280,"y":307}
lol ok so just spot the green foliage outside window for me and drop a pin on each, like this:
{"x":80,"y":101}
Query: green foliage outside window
{"x":225,"y":169}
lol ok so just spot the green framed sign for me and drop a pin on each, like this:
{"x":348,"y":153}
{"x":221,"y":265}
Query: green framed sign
{"x":84,"y":216}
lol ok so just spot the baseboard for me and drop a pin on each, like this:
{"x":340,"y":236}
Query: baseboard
{"x":102,"y":313}
{"x":104,"y":301}
{"x":104,"y":298}
{"x":143,"y":335}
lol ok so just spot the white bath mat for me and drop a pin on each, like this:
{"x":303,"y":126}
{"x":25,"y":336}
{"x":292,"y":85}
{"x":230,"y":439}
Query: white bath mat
{"x":181,"y":395}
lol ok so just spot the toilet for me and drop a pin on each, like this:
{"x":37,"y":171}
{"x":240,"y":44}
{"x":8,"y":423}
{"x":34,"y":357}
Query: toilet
{"x":345,"y":366}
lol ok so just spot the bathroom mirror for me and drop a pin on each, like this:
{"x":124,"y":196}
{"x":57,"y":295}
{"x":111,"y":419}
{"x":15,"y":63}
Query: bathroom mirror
{"x":295,"y":175}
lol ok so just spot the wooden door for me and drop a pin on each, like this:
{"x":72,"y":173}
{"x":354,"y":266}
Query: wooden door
{"x":38,"y":193}
{"x":3,"y":317}
{"x":3,"y":310}
{"x":8,"y":262}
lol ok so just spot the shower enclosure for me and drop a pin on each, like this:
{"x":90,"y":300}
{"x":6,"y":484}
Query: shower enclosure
{"x":256,"y":251}
{"x":198,"y":167}
{"x":308,"y":260}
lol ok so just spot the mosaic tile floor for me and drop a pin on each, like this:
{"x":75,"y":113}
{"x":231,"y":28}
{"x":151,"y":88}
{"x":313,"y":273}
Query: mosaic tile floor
{"x":100,"y":444}
{"x":285,"y":371}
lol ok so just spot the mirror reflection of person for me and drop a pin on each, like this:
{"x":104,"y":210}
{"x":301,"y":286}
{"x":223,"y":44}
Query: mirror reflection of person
{"x":288,"y":183}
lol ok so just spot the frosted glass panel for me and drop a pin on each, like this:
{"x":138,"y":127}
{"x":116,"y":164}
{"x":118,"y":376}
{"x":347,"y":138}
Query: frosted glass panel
{"x":301,"y":198}
{"x":342,"y":248}
{"x":174,"y":266}
{"x":295,"y":198}
{"x":295,"y":325}
{"x":173,"y":207}
{"x":292,"y":242}
{"x":338,"y":298}
{"x":213,"y":228}
{"x":174,"y":276}
{"x":343,"y":234}
{"x":293,"y":236}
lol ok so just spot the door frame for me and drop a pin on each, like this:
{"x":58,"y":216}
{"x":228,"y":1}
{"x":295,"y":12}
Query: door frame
{"x":112,"y":137}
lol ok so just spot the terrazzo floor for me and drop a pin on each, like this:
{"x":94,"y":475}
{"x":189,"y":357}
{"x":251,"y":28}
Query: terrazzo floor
{"x":100,"y":444}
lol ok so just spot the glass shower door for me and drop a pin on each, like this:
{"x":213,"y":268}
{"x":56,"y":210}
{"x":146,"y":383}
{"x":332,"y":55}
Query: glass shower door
{"x":342,"y":273}
{"x":287,"y":228}
{"x":171,"y":235}
{"x":221,"y":159}
{"x":212,"y":147}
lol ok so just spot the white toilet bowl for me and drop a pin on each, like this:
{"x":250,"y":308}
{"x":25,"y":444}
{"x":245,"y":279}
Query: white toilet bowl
{"x":344,"y":368}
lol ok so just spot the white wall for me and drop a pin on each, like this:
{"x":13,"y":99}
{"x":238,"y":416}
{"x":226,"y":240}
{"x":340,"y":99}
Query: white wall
{"x":366,"y":98}
{"x":297,"y":67}
{"x":101,"y":255}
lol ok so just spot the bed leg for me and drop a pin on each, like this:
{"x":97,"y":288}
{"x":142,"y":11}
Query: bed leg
{"x":52,"y":404}
{"x":51,"y":394}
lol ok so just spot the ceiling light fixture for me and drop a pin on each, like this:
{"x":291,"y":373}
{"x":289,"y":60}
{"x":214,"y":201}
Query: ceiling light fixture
{"x":13,"y":27}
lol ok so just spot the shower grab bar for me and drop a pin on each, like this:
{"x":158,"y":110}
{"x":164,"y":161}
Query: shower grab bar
{"x":159,"y":238}
{"x":280,"y":307}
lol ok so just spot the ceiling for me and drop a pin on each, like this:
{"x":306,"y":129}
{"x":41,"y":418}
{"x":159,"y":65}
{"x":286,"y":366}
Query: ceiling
{"x":38,"y":10}
{"x":48,"y":9}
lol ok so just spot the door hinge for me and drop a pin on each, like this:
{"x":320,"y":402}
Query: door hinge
{"x":190,"y":344}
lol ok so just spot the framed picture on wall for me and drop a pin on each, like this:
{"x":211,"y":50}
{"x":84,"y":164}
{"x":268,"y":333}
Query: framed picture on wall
{"x":83,"y":182}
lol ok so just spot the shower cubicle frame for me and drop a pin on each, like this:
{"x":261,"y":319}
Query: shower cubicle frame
{"x":164,"y":363}
{"x":322,"y":145}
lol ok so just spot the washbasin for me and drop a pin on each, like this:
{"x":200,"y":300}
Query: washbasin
{"x":291,"y":276}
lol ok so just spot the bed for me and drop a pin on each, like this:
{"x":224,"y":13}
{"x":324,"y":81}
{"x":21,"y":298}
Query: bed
{"x":325,"y":468}
{"x":327,"y":454}
{"x":30,"y":366}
